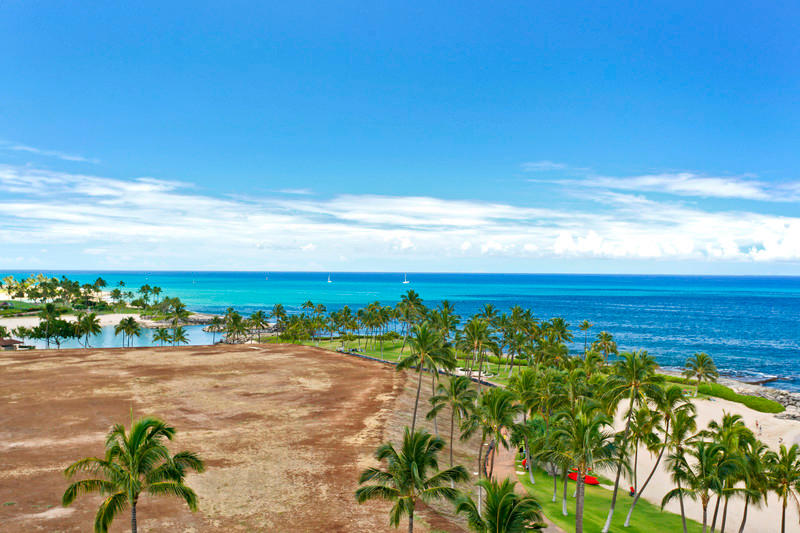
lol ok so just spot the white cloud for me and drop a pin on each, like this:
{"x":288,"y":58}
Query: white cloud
{"x":49,"y":153}
{"x":164,"y":223}
{"x":688,"y":184}
{"x":542,"y":166}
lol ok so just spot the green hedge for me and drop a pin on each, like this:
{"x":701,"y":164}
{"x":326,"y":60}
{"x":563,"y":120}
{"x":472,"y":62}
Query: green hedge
{"x":756,"y":403}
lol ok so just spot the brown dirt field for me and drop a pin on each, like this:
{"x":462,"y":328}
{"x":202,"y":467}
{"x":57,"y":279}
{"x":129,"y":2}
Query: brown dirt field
{"x":285,"y":432}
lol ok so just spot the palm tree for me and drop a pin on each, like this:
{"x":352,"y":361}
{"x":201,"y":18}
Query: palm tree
{"x":672,"y":405}
{"x":411,"y":474}
{"x":525,"y":386}
{"x":755,"y":476}
{"x":586,"y":444}
{"x":427,"y":350}
{"x":258,"y":321}
{"x":732,"y":434}
{"x":162,"y":335}
{"x":633,"y":378}
{"x":784,"y":477}
{"x":87,"y":324}
{"x":135,"y":462}
{"x":49,"y":314}
{"x":493,"y":416}
{"x":505,"y":512}
{"x":700,"y":479}
{"x":279,"y":314}
{"x":179,"y":336}
{"x":131,"y":328}
{"x":605,"y":344}
{"x":459,"y":397}
{"x":215,"y":327}
{"x":585,"y":326}
{"x":680,"y":435}
{"x":701,"y":367}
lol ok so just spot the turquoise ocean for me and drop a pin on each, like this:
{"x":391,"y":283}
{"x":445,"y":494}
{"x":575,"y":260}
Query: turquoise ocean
{"x":750,"y":325}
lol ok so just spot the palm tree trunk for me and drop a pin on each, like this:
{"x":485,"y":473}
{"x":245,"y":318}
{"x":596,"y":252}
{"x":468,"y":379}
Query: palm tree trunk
{"x":607,"y":525}
{"x":480,"y":472}
{"x":416,"y":403}
{"x":452,"y":428}
{"x":579,"y":504}
{"x":744,"y":516}
{"x":433,"y":392}
{"x":724,"y":516}
{"x":638,"y":493}
{"x":783,"y":516}
{"x":564,"y":497}
{"x":555,"y":481}
{"x":716,"y":510}
{"x":705,"y":517}
{"x":635,"y":468}
{"x":133,"y":518}
{"x":683,"y":511}
{"x":528,"y":452}
{"x":411,"y":521}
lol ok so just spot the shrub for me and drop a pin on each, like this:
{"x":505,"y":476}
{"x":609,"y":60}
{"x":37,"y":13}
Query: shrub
{"x":757,"y":403}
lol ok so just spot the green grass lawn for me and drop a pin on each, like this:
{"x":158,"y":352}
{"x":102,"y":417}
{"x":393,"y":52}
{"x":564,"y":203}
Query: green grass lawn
{"x":647,"y":518}
{"x":391,"y":352}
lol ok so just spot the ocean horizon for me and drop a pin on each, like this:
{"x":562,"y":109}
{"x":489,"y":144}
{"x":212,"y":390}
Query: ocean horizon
{"x":750,"y":325}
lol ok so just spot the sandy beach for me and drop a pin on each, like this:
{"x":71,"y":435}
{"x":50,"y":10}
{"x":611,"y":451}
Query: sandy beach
{"x":772,"y":431}
{"x":111,"y":319}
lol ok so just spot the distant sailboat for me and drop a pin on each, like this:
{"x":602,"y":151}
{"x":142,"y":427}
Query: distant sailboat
{"x":329,"y":278}
{"x":266,"y":276}
{"x":405,"y":279}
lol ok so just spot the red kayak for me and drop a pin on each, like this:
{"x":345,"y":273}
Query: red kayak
{"x":589,"y":480}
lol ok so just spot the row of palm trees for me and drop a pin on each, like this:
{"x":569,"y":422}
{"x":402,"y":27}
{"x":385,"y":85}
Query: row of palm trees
{"x":561,"y":410}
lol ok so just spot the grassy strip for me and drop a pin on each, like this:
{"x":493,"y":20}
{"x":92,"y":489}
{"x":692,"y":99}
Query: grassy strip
{"x":646,"y":518}
{"x":756,"y":403}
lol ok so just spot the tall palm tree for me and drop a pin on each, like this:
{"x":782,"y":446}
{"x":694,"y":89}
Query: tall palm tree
{"x":411,"y":474}
{"x":586,"y":443}
{"x":701,"y":367}
{"x":131,"y":328}
{"x":585,"y":326}
{"x":49,"y":314}
{"x":505,"y":512}
{"x":701,"y":478}
{"x":493,"y":416}
{"x":633,"y":379}
{"x":162,"y":335}
{"x":457,"y":395}
{"x":680,"y":436}
{"x":525,"y":386}
{"x":279,"y":314}
{"x":755,"y":476}
{"x":784,"y":477}
{"x":135,"y":462}
{"x":258,"y":321}
{"x":215,"y":327}
{"x":87,"y":324}
{"x":427,"y":350}
{"x":672,"y":405}
{"x":179,"y":336}
{"x":732,"y":433}
{"x":605,"y":344}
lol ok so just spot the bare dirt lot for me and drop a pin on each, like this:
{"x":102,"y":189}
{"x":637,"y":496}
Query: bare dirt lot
{"x":285,"y":432}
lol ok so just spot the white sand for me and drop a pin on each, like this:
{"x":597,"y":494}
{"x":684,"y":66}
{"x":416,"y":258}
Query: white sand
{"x":766,"y":519}
{"x":32,"y":321}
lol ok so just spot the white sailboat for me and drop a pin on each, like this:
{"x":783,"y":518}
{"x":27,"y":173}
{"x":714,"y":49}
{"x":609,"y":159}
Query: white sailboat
{"x":329,"y":278}
{"x":405,"y":279}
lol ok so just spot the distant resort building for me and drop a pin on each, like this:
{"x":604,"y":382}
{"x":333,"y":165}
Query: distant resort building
{"x":9,"y":344}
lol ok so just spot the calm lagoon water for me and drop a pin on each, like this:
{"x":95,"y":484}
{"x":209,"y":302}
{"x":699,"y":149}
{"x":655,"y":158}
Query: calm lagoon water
{"x":750,"y":325}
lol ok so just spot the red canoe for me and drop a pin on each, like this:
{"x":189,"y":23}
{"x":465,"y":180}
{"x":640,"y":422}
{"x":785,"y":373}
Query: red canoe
{"x":589,"y":480}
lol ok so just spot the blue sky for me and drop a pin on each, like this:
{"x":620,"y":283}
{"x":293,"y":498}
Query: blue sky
{"x":447,"y":136}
